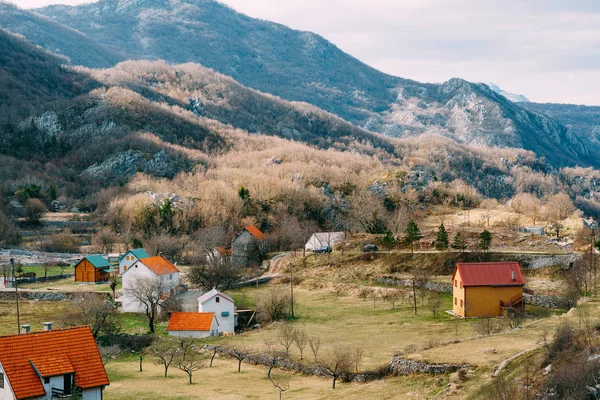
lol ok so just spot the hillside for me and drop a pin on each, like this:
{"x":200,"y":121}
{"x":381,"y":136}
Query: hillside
{"x":56,"y":37}
{"x":32,"y":78}
{"x":302,"y":66}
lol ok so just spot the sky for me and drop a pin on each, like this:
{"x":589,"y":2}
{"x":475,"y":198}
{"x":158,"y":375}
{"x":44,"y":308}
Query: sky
{"x":548,"y":50}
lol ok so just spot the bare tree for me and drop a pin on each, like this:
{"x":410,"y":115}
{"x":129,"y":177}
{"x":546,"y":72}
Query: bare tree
{"x":104,"y":240}
{"x":274,"y":305}
{"x":421,"y":280}
{"x":315,"y":344}
{"x":211,"y":266}
{"x":434,"y":301}
{"x":287,"y":335}
{"x":190,"y":364}
{"x":301,"y":340}
{"x":148,"y":292}
{"x":561,"y":206}
{"x":109,"y":353}
{"x":357,"y":356}
{"x":282,"y":384}
{"x":94,"y":310}
{"x":336,"y":364}
{"x":240,"y":354}
{"x":164,"y":351}
{"x":488,"y":205}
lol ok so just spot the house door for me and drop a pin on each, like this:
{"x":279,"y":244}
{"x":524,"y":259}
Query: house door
{"x":90,"y":276}
{"x":68,"y":385}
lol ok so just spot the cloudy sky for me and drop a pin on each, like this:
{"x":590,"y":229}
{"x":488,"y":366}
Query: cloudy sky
{"x":548,"y":50}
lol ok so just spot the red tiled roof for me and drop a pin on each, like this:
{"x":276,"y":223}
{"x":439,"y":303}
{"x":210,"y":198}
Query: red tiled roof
{"x":75,"y":346}
{"x":159,"y":265}
{"x":191,"y":321}
{"x":490,"y":274}
{"x":254,"y":231}
{"x":53,"y":365}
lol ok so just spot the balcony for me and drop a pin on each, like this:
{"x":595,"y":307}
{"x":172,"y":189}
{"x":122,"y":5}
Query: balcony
{"x":58,"y":394}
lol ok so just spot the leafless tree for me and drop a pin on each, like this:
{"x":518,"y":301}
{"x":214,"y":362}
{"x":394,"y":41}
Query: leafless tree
{"x":282,"y":384}
{"x":164,"y":351}
{"x":315,"y":344}
{"x":287,"y":335}
{"x":94,"y":310}
{"x":104,"y":240}
{"x":190,"y":364}
{"x":301,"y":340}
{"x":357,"y":357}
{"x":421,"y":279}
{"x":240,"y":354}
{"x":488,"y":205}
{"x":336,"y":364}
{"x":109,"y":353}
{"x":274,"y":305}
{"x":434,"y":301}
{"x":214,"y":351}
{"x":148,"y":292}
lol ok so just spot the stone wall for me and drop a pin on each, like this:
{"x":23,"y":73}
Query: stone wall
{"x":546,"y":301}
{"x":251,"y":282}
{"x":403,"y":366}
{"x":433,"y":286}
{"x":40,"y":296}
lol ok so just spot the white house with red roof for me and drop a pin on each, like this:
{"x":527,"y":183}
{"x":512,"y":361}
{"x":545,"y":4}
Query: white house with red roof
{"x":222,"y":305}
{"x":51,"y":364}
{"x":487,"y":289}
{"x":155,"y":268}
{"x":193,"y":324}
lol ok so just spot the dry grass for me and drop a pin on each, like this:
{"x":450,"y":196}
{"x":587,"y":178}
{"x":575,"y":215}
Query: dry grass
{"x":33,"y":313}
{"x":68,"y":285}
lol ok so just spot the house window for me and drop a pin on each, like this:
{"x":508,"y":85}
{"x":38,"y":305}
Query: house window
{"x":461,"y":285}
{"x":455,"y":283}
{"x":455,"y":301}
{"x":46,"y":380}
{"x":170,"y":277}
{"x":461,"y":303}
{"x":217,"y":299}
{"x":1,"y":380}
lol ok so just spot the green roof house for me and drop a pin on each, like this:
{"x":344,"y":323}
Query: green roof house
{"x":92,"y":269}
{"x":129,"y":258}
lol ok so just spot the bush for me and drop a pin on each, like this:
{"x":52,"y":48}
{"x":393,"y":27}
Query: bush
{"x":273,"y":306}
{"x":35,"y":209}
{"x":63,"y":242}
{"x":129,"y":343}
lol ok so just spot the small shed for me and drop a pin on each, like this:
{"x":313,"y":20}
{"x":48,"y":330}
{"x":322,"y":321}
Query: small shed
{"x":533,"y":230}
{"x":248,"y":247}
{"x":94,"y":268}
{"x":193,"y":325}
{"x":322,"y":239}
{"x":487,"y":289}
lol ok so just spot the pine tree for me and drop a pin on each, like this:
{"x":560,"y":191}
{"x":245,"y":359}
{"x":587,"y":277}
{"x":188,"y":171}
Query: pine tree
{"x":459,"y":242}
{"x":389,"y":241}
{"x":442,"y":241}
{"x":412,"y":235}
{"x":485,"y":240}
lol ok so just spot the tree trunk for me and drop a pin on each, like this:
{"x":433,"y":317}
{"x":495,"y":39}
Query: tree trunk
{"x":414,"y":296}
{"x":239,"y":366}
{"x":212,"y":358}
{"x":334,"y":379}
{"x":190,"y":376}
{"x":141,"y":363}
{"x":166,"y":370}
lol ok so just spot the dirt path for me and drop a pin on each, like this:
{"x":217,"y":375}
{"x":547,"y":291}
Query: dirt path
{"x":275,"y":265}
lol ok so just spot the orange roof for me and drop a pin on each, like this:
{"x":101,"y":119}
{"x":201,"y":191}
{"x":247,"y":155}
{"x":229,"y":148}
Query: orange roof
{"x":73,"y":349}
{"x":191,"y":321}
{"x":159,"y":265}
{"x":254,"y":231}
{"x":53,"y":365}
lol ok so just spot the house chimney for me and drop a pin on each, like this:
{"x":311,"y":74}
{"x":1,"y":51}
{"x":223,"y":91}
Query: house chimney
{"x":26,"y":328}
{"x":514,"y":276}
{"x":47,"y":326}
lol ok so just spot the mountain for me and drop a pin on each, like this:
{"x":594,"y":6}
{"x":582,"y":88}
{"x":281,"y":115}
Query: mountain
{"x":56,"y":37}
{"x":514,"y":97}
{"x":32,"y":79}
{"x":302,"y":66}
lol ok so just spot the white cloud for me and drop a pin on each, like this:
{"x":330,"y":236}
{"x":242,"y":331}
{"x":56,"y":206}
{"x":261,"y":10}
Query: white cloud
{"x":532,"y":47}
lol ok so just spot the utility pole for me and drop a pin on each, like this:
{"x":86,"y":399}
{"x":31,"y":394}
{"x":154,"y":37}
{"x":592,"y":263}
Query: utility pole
{"x":292,"y":285}
{"x":12,"y":261}
{"x":593,"y":255}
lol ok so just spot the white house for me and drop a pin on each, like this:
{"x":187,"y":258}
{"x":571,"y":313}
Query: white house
{"x":158,"y":268}
{"x":322,"y":239}
{"x":222,"y":305}
{"x":50,"y":365}
{"x":193,"y":324}
{"x":127,"y":259}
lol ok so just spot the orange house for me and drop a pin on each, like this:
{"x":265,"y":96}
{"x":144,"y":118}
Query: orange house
{"x":92,"y":269}
{"x":486,"y":289}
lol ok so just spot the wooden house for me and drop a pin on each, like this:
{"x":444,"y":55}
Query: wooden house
{"x":93,"y":269}
{"x":248,"y":247}
{"x":487,"y":289}
{"x":51,"y":364}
